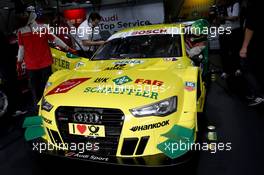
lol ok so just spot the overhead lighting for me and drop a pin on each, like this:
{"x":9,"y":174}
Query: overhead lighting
{"x":87,"y":2}
{"x":6,"y":8}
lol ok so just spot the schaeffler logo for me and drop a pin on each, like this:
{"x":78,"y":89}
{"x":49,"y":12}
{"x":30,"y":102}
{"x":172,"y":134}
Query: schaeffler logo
{"x":150,"y":126}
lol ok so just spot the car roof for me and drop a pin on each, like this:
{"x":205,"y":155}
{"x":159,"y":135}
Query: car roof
{"x":151,"y":27}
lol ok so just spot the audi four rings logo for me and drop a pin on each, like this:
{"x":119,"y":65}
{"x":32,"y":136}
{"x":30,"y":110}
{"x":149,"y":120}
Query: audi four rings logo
{"x":87,"y":117}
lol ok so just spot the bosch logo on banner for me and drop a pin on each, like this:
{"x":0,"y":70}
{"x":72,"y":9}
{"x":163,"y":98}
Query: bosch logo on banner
{"x":67,"y":85}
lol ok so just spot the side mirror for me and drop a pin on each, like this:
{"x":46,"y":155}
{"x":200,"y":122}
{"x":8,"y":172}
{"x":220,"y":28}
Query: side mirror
{"x":72,"y":56}
{"x":197,"y":59}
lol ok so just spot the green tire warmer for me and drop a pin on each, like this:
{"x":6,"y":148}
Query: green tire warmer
{"x":33,"y":128}
{"x":178,"y":143}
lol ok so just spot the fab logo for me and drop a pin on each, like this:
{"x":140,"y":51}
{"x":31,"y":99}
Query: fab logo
{"x":149,"y":82}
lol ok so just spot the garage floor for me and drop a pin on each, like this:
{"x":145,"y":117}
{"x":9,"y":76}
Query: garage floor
{"x":235,"y":123}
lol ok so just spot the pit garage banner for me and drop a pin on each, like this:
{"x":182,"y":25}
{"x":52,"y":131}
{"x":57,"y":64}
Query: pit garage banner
{"x":115,"y":19}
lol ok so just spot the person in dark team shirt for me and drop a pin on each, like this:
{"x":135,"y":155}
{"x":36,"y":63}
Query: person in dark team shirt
{"x":250,"y":53}
{"x":8,"y":75}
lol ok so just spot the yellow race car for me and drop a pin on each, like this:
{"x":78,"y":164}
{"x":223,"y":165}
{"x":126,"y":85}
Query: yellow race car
{"x":133,"y":102}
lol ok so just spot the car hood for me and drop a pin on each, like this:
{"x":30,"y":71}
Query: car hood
{"x":117,"y":83}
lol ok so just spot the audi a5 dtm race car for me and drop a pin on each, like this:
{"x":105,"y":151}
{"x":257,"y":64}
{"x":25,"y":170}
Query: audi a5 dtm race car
{"x":131,"y":103}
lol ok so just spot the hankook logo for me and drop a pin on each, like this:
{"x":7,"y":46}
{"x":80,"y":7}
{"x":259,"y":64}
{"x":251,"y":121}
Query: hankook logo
{"x":150,"y":126}
{"x":87,"y":117}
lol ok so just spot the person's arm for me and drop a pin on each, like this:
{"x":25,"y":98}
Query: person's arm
{"x":92,"y":43}
{"x":60,"y":43}
{"x":247,"y":38}
{"x":88,"y":40}
{"x":20,"y":55}
{"x":231,"y":18}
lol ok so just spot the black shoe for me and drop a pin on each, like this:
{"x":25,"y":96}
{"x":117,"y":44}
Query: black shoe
{"x":255,"y":101}
{"x":224,"y":75}
{"x":238,"y":73}
{"x":250,"y":97}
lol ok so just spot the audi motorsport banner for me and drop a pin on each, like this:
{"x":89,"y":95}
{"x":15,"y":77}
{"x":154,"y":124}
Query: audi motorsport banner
{"x":124,"y":17}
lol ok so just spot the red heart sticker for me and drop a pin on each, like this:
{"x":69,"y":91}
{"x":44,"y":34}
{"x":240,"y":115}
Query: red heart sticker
{"x":81,"y":128}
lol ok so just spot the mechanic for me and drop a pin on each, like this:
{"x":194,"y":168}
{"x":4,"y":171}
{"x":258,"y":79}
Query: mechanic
{"x":252,"y":56}
{"x":230,"y":43}
{"x":35,"y":51}
{"x":89,"y":35}
{"x":8,"y":75}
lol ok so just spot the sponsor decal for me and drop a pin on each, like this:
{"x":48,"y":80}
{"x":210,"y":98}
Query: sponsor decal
{"x":116,"y":67}
{"x":150,"y":126}
{"x":150,"y":32}
{"x":122,"y":91}
{"x":101,"y":80}
{"x":189,"y":86}
{"x":87,"y":130}
{"x":170,"y":59}
{"x":87,"y":117}
{"x":128,"y":62}
{"x":48,"y":121}
{"x":122,"y":80}
{"x":87,"y":156}
{"x":149,"y":82}
{"x":67,"y":85}
{"x":62,"y":63}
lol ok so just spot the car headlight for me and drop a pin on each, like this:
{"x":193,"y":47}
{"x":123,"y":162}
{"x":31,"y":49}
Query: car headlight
{"x":45,"y":105}
{"x":161,"y":108}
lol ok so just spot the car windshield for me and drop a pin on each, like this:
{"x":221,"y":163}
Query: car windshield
{"x":146,"y":46}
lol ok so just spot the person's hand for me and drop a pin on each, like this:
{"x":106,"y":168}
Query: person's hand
{"x":19,"y":68}
{"x":243,"y":52}
{"x":101,"y":42}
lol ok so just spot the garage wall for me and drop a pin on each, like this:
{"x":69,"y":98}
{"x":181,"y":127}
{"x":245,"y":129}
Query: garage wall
{"x":7,"y":16}
{"x":115,"y":19}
